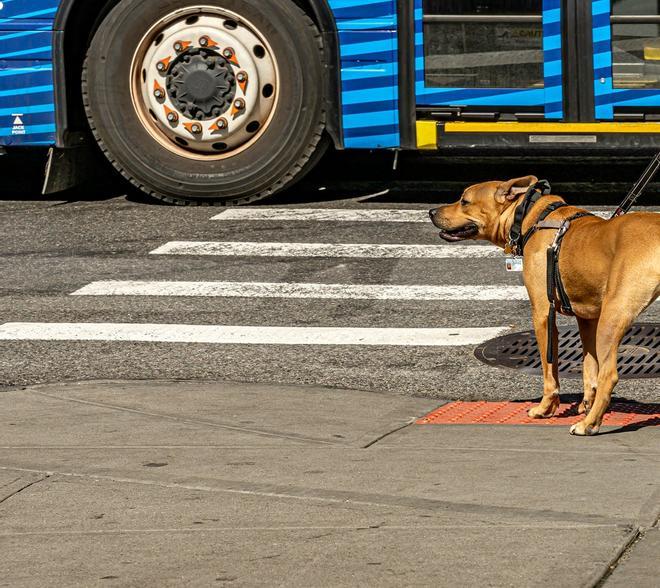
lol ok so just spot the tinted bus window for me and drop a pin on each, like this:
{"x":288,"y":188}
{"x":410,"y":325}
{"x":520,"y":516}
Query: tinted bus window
{"x":477,"y":44}
{"x":481,"y":7}
{"x":636,"y":43}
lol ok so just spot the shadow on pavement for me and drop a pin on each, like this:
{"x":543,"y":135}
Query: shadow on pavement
{"x":621,"y":404}
{"x":366,"y":176}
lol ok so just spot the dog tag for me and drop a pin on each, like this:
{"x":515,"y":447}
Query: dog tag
{"x":514,"y":264}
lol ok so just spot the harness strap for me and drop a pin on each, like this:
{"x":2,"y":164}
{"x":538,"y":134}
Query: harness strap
{"x":540,"y":223}
{"x":556,"y":288}
{"x":534,"y":192}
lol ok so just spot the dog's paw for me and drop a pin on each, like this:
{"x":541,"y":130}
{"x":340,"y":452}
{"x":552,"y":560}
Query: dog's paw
{"x":584,"y":407}
{"x":543,"y":412}
{"x":582,"y":430}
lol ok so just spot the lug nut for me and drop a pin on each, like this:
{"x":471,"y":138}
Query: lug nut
{"x":172,"y":117}
{"x":237,"y":107}
{"x":159,"y":94}
{"x":178,"y":46}
{"x":242,"y":79}
{"x":219,"y":125}
{"x":203,"y":41}
{"x":163,"y":65}
{"x":194,"y":128}
{"x":228,"y":53}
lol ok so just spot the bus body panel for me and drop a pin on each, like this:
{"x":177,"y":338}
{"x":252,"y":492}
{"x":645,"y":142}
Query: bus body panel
{"x":369,"y":65}
{"x":27,"y":106}
{"x":368,"y":46}
{"x":367,"y":33}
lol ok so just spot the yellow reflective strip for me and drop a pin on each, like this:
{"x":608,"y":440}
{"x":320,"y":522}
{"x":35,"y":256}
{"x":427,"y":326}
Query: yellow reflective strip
{"x":427,"y":134}
{"x":652,"y":53}
{"x":514,"y":127}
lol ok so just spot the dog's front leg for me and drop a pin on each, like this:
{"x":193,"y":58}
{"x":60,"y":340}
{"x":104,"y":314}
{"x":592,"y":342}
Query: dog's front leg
{"x":550,"y":402}
{"x":588,"y":329}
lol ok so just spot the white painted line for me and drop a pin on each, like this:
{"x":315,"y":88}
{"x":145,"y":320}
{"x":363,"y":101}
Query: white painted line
{"x":241,"y":335}
{"x":303,"y":290}
{"x":324,"y":214}
{"x":367,"y":251}
{"x":382,"y":215}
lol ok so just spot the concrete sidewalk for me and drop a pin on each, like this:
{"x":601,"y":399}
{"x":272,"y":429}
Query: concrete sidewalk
{"x":178,"y":483}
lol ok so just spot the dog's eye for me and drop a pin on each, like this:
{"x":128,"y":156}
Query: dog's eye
{"x":464,"y":202}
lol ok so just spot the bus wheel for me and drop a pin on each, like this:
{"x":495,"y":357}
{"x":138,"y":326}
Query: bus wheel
{"x":213,"y":103}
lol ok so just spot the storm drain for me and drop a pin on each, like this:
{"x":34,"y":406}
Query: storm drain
{"x":639,"y":353}
{"x":620,"y":414}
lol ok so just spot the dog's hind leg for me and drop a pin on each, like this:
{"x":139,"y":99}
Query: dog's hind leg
{"x":550,"y":402}
{"x":588,"y":330}
{"x":623,"y":302}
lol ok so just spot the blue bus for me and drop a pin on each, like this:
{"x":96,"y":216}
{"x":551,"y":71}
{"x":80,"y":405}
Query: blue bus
{"x":228,"y":101}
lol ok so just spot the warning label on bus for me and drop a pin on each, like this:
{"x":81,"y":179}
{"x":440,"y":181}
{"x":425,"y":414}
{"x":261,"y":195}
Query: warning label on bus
{"x":18,"y":127}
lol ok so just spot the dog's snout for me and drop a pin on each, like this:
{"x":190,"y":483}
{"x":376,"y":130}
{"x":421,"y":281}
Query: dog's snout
{"x":433,"y":212}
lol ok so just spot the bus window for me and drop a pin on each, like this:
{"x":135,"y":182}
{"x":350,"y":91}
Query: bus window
{"x":481,"y":44}
{"x":636,"y":44}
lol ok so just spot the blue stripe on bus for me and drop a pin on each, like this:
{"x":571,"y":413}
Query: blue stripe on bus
{"x":602,"y":60}
{"x":36,"y":129}
{"x":371,"y":131}
{"x":362,"y":107}
{"x":24,"y":91}
{"x":368,"y":48}
{"x":374,"y":141}
{"x":368,"y":97}
{"x":33,"y":52}
{"x":371,"y":83}
{"x":357,"y":11}
{"x":34,"y":109}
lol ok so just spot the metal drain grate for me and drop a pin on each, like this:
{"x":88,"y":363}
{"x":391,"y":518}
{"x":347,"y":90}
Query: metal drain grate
{"x":639,"y":353}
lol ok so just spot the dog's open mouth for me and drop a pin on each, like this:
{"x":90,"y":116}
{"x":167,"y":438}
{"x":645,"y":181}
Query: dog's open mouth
{"x":460,"y":234}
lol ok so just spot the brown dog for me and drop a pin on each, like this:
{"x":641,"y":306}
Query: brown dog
{"x":610,"y":270}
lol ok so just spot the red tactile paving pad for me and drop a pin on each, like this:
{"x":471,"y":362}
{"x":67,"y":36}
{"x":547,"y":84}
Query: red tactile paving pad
{"x":515,"y":413}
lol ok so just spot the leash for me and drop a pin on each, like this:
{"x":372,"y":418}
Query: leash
{"x":639,"y":187}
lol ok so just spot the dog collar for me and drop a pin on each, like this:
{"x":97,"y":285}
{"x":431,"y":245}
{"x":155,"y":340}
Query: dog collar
{"x":516,"y":238}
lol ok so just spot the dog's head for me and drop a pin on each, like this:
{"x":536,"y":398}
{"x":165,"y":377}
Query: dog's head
{"x":479,"y":212}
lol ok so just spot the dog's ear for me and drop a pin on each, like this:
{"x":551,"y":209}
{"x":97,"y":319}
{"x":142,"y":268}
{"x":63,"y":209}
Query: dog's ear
{"x":513,"y":188}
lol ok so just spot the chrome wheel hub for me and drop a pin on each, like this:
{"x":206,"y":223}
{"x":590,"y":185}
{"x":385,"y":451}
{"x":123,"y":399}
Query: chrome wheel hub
{"x":204,"y":83}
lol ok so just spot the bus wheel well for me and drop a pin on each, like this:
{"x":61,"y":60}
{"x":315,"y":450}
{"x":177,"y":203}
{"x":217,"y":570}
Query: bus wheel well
{"x":78,"y":20}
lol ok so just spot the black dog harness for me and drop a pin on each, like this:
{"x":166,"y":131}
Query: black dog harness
{"x":518,"y":240}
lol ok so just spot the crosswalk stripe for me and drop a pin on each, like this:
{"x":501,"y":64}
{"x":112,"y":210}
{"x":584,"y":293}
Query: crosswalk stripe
{"x":246,"y":335}
{"x":303,"y":290}
{"x":324,"y":214}
{"x":367,"y":251}
{"x":383,"y":215}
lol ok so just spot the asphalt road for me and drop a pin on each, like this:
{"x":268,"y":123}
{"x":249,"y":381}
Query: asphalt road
{"x":52,"y":248}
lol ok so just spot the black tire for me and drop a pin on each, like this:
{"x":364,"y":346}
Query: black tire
{"x":288,"y":147}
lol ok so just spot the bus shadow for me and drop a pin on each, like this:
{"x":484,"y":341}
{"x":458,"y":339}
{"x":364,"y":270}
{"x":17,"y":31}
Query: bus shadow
{"x":23,"y":174}
{"x":360,"y":176}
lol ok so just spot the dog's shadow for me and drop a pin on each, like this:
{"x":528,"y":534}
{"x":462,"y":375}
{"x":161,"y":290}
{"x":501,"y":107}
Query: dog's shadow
{"x":620,"y":405}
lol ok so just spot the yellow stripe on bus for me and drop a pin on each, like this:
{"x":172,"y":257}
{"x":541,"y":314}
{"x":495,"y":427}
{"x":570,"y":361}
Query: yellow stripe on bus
{"x":543,"y":127}
{"x":427,"y":134}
